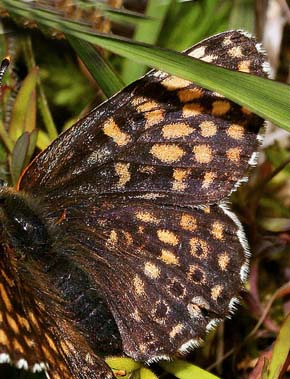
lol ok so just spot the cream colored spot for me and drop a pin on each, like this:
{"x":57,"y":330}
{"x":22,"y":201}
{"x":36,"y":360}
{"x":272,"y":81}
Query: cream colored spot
{"x":51,"y":343}
{"x":147,"y":217}
{"x":98,"y":156}
{"x":3,"y":338}
{"x":47,"y":354}
{"x":143,"y":347}
{"x":173,"y":83}
{"x":198,"y":248}
{"x":141,"y":229}
{"x":140,"y":101}
{"x":191,"y":109}
{"x":206,"y":209}
{"x":17,"y":346}
{"x":167,"y":236}
{"x":217,"y":230}
{"x":203,"y":153}
{"x":177,"y":329}
{"x":9,"y":281}
{"x":234,"y":154}
{"x":138,"y":285}
{"x":144,"y":105}
{"x":89,"y":358}
{"x":227,"y":41}
{"x":29,"y":342}
{"x":5,"y":298}
{"x":169,"y":258}
{"x":136,"y":315}
{"x":244,"y":66}
{"x":159,"y":320}
{"x":220,"y":107}
{"x":236,"y":52}
{"x":147,"y":169}
{"x":246,"y":111}
{"x":33,"y":319}
{"x":209,"y":58}
{"x":151,"y":270}
{"x":12,"y":323}
{"x":208,"y":128}
{"x":216,"y":291}
{"x":113,"y":238}
{"x":217,"y":94}
{"x":122,"y":170}
{"x":186,"y":95}
{"x":149,"y":196}
{"x":176,"y":130}
{"x":128,"y":237}
{"x":112,"y":130}
{"x":179,"y":176}
{"x":154,"y":117}
{"x":67,"y":347}
{"x":198,"y":53}
{"x":188,"y":222}
{"x":102,"y":223}
{"x":23,"y":322}
{"x":236,"y":131}
{"x":63,"y":370}
{"x":208,"y":179}
{"x":223,"y":261}
{"x":194,"y":310}
{"x":167,"y":153}
{"x":195,"y":274}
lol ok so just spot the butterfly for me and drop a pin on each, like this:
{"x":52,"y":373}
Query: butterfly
{"x":118,"y":236}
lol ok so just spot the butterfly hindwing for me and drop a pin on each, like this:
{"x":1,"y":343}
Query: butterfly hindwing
{"x":33,"y":320}
{"x":167,"y":273}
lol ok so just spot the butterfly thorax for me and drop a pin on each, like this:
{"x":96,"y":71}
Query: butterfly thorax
{"x":21,"y":225}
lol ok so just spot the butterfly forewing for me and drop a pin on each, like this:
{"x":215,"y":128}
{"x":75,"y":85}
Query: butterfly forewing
{"x":35,"y":333}
{"x":131,"y":199}
{"x":162,"y":137}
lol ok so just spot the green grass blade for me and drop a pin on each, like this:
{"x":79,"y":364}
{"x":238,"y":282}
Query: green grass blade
{"x":23,"y":106}
{"x":267,"y":98}
{"x":120,"y":15}
{"x":185,"y":370}
{"x":280,"y":351}
{"x":145,"y":373}
{"x":99,"y":68}
{"x":242,"y":15}
{"x":42,"y":101}
{"x":146,"y":32}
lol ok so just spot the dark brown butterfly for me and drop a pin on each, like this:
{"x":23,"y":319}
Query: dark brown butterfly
{"x":117,"y":237}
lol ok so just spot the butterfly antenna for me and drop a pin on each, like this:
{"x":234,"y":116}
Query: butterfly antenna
{"x":3,"y":68}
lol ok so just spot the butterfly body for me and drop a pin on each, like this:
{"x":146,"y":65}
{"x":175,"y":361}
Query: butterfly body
{"x":26,"y":231}
{"x":125,"y":240}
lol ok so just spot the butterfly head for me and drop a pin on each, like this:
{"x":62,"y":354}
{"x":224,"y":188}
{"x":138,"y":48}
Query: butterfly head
{"x":24,"y":229}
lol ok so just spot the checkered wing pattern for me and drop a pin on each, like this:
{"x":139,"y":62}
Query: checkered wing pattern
{"x":171,"y":273}
{"x":161,"y":138}
{"x":131,"y":198}
{"x":35,"y":333}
